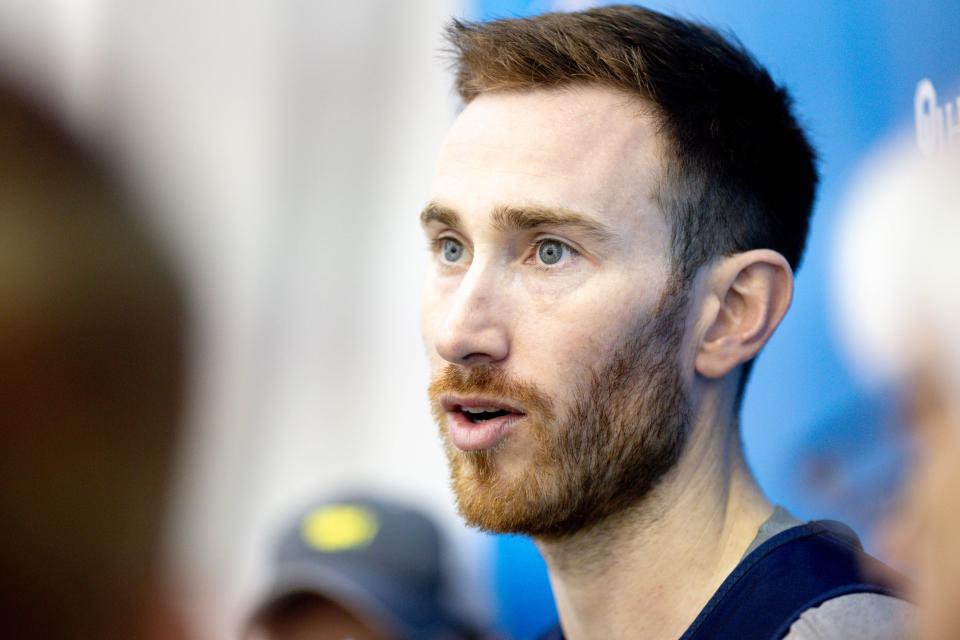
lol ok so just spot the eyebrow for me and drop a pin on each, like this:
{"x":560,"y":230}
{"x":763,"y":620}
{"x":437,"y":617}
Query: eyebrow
{"x":521,"y":218}
{"x":436,"y":212}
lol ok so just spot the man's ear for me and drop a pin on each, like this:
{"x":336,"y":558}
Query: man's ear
{"x":747,"y":296}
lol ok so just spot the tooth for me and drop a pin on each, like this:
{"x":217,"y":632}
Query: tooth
{"x":481,"y":409}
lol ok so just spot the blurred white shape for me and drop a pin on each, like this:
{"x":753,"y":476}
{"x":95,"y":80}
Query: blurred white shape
{"x":78,"y":32}
{"x":897,"y":283}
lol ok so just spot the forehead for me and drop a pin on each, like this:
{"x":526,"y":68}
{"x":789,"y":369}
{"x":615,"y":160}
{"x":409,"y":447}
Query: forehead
{"x":589,"y":149}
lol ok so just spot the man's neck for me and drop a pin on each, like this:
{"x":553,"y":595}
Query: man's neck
{"x":648,"y":572}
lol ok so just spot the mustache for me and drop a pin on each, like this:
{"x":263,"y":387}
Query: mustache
{"x":490,"y":380}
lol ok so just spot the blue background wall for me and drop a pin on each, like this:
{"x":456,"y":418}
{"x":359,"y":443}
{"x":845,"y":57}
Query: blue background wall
{"x":810,"y":432}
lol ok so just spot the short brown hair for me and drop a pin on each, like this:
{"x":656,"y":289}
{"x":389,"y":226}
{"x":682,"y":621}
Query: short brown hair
{"x":740,"y":173}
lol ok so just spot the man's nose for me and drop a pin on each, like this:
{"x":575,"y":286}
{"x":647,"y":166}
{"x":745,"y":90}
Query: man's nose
{"x":474,"y":330}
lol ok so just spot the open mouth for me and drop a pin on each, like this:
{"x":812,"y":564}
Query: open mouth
{"x":479,"y":423}
{"x":482,"y":414}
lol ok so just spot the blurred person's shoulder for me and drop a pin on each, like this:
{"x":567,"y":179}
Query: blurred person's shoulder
{"x":868,"y":616}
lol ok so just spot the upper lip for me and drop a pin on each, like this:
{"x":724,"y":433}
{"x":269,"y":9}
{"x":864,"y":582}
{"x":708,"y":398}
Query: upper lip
{"x":455,"y":403}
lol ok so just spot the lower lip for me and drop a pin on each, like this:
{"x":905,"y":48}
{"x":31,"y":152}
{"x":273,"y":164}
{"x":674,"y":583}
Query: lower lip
{"x":474,"y":436}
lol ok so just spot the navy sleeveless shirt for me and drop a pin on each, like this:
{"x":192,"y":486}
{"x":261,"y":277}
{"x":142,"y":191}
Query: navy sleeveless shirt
{"x":773,"y":585}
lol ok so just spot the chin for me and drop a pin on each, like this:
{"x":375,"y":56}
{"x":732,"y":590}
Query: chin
{"x":505,"y":496}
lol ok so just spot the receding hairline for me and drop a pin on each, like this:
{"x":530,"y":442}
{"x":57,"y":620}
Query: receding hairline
{"x":630,"y":106}
{"x":641,"y":104}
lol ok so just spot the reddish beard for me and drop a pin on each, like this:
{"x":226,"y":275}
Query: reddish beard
{"x":623,"y":430}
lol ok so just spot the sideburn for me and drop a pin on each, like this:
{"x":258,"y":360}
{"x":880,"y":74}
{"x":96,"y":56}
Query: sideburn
{"x":627,"y":429}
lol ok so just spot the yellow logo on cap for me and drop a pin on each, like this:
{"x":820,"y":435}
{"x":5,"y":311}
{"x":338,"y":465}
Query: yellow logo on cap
{"x":340,"y":527}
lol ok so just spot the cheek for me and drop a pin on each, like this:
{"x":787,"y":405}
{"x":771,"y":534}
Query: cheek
{"x":431,"y":314}
{"x":546,"y":291}
{"x":564,"y":339}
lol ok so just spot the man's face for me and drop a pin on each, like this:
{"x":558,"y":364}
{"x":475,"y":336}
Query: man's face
{"x":553,"y":336}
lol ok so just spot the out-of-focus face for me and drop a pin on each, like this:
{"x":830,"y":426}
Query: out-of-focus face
{"x":897,"y":275}
{"x":309,"y":617}
{"x":552,"y":332}
{"x":925,"y":533}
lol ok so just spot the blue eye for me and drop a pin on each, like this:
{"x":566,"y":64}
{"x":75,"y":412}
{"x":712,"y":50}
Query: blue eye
{"x":551,"y":251}
{"x":452,"y":249}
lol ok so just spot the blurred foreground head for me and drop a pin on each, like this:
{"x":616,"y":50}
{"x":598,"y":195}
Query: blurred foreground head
{"x":91,"y":333}
{"x":357,"y":567}
{"x":899,"y":292}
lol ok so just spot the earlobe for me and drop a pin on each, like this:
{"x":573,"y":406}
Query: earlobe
{"x":751,"y":293}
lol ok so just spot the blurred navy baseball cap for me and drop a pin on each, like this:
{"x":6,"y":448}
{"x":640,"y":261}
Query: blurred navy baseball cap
{"x":379,"y":560}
